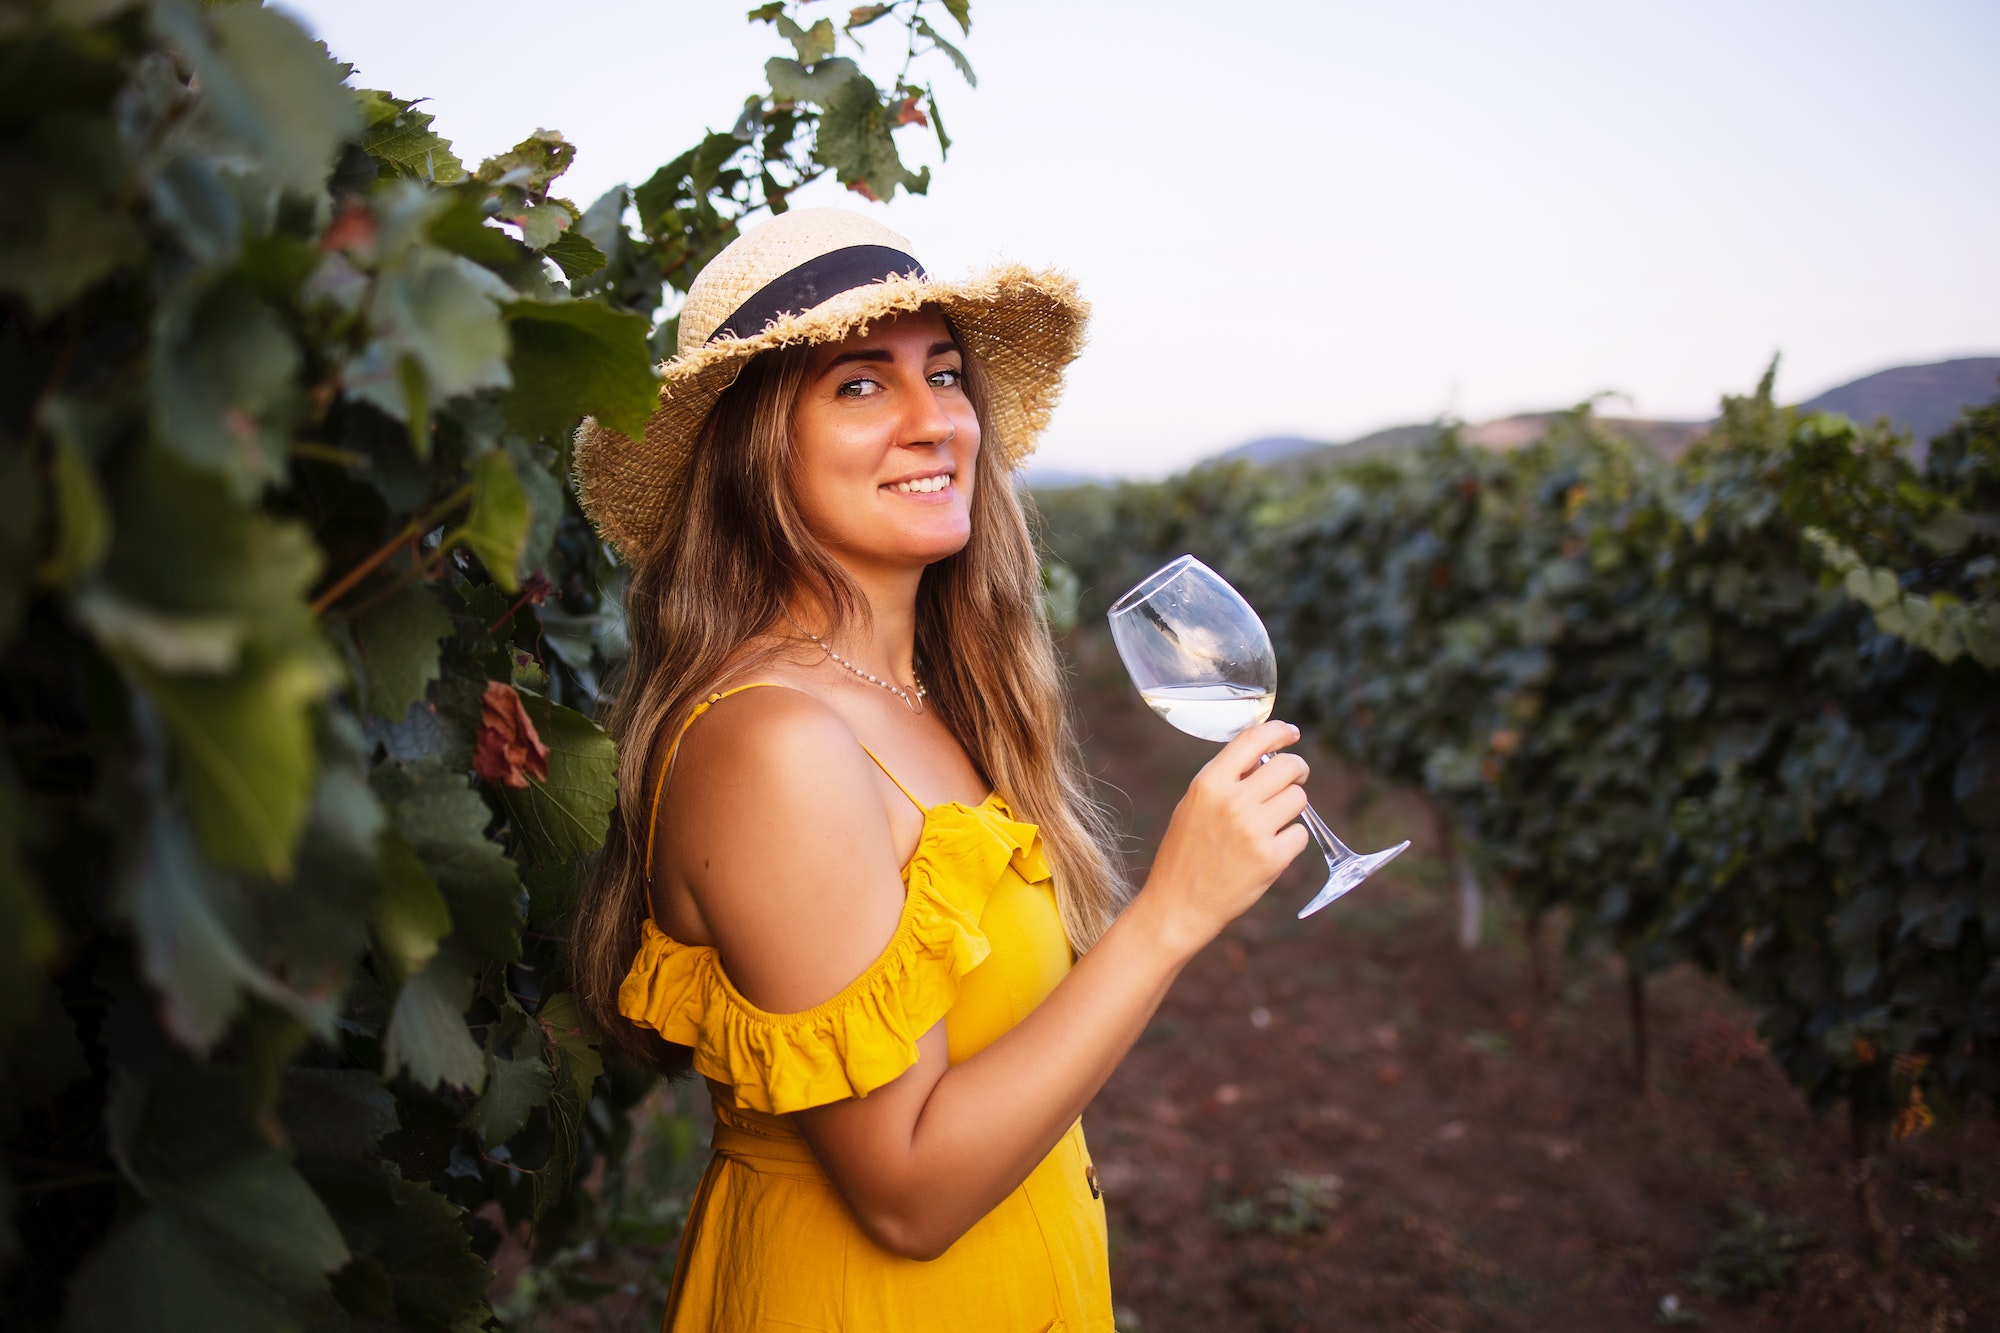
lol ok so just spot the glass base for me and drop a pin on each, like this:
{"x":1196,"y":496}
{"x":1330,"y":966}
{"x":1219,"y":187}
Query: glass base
{"x":1349,"y":873}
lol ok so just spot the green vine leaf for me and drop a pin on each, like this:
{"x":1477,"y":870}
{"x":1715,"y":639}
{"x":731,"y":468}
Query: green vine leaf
{"x":427,"y":1037}
{"x":247,"y":757}
{"x":496,"y":529}
{"x":400,"y":640}
{"x":792,"y":82}
{"x":268,"y":85}
{"x":516,"y":1082}
{"x":410,"y":916}
{"x":576,"y":359}
{"x":566,"y":816}
{"x":399,"y":137}
{"x":248,"y":1246}
{"x":813,"y":44}
{"x":856,"y":140}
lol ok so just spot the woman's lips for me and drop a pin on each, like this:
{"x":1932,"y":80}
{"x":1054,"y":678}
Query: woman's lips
{"x":933,"y":489}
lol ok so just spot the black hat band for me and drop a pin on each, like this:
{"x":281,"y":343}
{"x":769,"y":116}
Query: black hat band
{"x":818,"y":279}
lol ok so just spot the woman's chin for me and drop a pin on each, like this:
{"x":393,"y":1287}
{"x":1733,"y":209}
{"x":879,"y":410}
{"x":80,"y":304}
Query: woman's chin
{"x":911,"y":547}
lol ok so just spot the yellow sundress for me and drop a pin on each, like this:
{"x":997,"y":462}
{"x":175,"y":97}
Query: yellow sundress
{"x":769,"y":1244}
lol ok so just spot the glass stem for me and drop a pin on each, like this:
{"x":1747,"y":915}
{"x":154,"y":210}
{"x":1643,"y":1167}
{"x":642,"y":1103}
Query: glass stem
{"x":1336,"y":850}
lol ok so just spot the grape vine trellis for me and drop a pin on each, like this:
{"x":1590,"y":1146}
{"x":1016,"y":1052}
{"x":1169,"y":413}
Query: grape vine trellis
{"x":300,"y":635}
{"x":1743,"y":708}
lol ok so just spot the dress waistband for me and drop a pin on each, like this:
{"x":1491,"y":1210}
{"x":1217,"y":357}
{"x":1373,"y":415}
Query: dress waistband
{"x":773,"y":1155}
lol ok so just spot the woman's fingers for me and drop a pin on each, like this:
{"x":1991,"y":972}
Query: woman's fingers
{"x":1247,"y":751}
{"x":1267,"y":780}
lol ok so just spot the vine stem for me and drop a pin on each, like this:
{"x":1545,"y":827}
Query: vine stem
{"x":416,"y":527}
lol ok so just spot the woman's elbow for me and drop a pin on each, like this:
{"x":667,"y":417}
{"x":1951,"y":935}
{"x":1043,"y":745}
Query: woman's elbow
{"x":909,"y":1236}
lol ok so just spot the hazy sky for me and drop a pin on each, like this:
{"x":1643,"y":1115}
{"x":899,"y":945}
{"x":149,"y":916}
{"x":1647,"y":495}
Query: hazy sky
{"x":1322,"y":218}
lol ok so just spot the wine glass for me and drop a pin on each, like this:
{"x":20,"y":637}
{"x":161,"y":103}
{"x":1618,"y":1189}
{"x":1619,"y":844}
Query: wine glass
{"x":1203,"y":661}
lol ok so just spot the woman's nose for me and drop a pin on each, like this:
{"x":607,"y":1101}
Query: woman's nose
{"x":926,"y":421}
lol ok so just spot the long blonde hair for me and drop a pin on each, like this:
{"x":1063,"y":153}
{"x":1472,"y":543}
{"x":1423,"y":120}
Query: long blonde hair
{"x":730,"y":556}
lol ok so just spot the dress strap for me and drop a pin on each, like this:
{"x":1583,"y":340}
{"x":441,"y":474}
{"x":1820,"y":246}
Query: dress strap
{"x":660,"y":783}
{"x":922,"y":809}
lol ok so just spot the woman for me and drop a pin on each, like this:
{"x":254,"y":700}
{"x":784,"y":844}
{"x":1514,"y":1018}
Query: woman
{"x":855,"y":866}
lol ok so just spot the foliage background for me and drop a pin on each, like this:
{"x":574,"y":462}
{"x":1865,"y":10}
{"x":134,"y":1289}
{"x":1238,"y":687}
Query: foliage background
{"x":301,"y":633}
{"x":1738,"y":707}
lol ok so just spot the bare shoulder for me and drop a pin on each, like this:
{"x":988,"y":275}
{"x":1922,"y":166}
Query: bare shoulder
{"x":783,"y":841}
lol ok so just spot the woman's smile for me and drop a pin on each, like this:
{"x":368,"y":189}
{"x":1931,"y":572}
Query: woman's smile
{"x":930,"y":487}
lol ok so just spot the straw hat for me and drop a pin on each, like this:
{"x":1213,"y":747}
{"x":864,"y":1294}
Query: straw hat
{"x":812,"y":276}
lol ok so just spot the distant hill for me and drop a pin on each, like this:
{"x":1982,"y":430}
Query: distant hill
{"x":1923,"y":400}
{"x":1269,"y":449}
{"x":1055,"y":478}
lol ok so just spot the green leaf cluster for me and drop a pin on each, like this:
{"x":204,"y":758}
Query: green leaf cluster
{"x":285,"y":422}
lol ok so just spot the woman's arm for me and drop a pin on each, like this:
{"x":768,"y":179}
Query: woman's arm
{"x":798,"y":881}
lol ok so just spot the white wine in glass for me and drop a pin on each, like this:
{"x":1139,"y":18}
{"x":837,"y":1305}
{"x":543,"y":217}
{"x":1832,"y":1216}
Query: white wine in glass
{"x":1203,"y":661}
{"x":1213,"y":712}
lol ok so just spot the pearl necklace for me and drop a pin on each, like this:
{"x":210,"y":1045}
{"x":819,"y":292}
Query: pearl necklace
{"x":913,"y":700}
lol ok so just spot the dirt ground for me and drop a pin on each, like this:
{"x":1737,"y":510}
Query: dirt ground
{"x":1351,"y":1123}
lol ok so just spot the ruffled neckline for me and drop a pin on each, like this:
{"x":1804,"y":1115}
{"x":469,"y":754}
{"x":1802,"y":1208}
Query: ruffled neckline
{"x":865,"y":1035}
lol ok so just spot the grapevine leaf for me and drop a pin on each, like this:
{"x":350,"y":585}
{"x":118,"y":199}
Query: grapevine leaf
{"x":532,"y":164}
{"x":400,"y":640}
{"x":516,"y":1083}
{"x":75,"y":239}
{"x":399,"y":137}
{"x":461,"y":228}
{"x":245,"y":745}
{"x":863,"y":15}
{"x":268,"y":85}
{"x":813,"y":44}
{"x":414,"y":1235}
{"x":190,"y":921}
{"x":793,"y":82}
{"x":533,"y":464}
{"x":440,"y":312}
{"x":576,"y":359}
{"x":542,"y":224}
{"x":960,"y":10}
{"x":247,"y":1246}
{"x":575,"y":254}
{"x":336,"y":1112}
{"x":566,"y":816}
{"x":445,"y":821}
{"x":187,"y":550}
{"x":410,"y":915}
{"x":956,"y":56}
{"x":496,"y":528}
{"x":427,"y":1035}
{"x":223,"y":382}
{"x":578,"y":1065}
{"x":576,"y":1041}
{"x":856,"y":139}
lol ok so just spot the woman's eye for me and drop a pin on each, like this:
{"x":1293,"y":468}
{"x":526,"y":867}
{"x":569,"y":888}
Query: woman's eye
{"x":945,"y":379}
{"x":859,"y":388}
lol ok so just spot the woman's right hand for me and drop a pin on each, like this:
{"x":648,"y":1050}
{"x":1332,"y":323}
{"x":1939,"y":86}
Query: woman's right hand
{"x":1231,"y":836}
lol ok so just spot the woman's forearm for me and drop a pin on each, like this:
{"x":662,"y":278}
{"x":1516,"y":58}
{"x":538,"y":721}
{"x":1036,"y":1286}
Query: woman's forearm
{"x":986,"y":1123}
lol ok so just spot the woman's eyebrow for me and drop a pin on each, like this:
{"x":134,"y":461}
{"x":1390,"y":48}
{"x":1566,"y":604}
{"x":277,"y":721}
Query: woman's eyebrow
{"x":939,"y":349}
{"x":864,"y":354}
